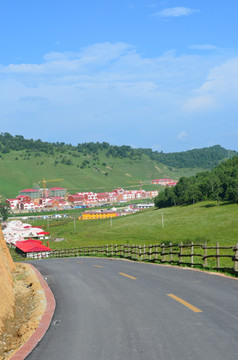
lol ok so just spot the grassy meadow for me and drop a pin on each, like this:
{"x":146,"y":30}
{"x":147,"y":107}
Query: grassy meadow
{"x":198,"y":223}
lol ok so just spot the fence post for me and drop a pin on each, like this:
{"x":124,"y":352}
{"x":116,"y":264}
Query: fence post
{"x":150,"y":251}
{"x":140,"y":255}
{"x":236,"y":258}
{"x":192,"y":253}
{"x":162,"y":252}
{"x":112,"y":250}
{"x":181,"y":253}
{"x":144,"y":252}
{"x":156,"y":252}
{"x":107,"y":249}
{"x":171,"y":251}
{"x":217,"y":256}
{"x":205,"y":254}
{"x":125,"y":251}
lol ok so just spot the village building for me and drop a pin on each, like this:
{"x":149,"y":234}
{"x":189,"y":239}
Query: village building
{"x":55,"y":198}
{"x":58,"y":192}
{"x":164,"y":182}
{"x":24,"y":198}
{"x":30,"y":206}
{"x":32,"y":193}
{"x":95,"y":215}
{"x":33,"y":249}
{"x":13,"y":203}
{"x":77,"y":199}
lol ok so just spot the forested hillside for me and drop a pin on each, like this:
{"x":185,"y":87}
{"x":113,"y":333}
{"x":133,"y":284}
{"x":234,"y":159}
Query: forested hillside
{"x":218,"y":184}
{"x":206,"y":158}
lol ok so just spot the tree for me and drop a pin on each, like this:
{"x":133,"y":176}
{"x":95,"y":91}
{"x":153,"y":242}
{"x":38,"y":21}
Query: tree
{"x":4,"y":211}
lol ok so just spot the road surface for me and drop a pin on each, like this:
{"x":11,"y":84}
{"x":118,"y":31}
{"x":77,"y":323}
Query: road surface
{"x":120,"y":310}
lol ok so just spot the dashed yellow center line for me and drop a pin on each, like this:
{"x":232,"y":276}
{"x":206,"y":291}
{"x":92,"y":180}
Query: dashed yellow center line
{"x":185,"y":303}
{"x":131,"y":277}
{"x":79,"y":262}
{"x":98,"y":266}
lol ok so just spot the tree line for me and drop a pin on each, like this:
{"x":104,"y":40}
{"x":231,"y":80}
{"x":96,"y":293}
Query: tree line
{"x":220,"y":184}
{"x":206,"y":158}
{"x":9,"y":142}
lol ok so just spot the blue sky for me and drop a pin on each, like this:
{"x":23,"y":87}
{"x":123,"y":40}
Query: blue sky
{"x":157,"y":74}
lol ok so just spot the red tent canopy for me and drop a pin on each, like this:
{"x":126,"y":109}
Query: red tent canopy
{"x":32,"y":246}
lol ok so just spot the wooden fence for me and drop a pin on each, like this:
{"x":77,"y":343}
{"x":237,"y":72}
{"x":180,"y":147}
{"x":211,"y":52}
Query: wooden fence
{"x":215,"y":257}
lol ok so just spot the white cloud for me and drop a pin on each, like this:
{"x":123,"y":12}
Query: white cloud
{"x":219,"y":89}
{"x":176,"y":12}
{"x":182,"y":136}
{"x":117,"y":65}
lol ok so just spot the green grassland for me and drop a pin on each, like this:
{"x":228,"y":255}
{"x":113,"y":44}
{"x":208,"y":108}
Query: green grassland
{"x":22,"y":169}
{"x":198,"y":223}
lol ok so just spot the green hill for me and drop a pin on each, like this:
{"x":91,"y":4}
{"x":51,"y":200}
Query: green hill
{"x":85,"y":167}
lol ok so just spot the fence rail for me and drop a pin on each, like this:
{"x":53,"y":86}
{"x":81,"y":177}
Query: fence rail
{"x":216,"y":257}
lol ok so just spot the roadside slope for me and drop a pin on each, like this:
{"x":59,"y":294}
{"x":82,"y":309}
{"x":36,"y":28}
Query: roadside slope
{"x":7,"y":298}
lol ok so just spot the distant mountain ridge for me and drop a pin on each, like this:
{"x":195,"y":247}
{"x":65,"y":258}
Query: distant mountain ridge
{"x":206,"y":158}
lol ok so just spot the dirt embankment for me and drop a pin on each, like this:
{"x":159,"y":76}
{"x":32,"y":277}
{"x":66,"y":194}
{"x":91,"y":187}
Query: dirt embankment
{"x":7,"y":298}
{"x":22,"y":302}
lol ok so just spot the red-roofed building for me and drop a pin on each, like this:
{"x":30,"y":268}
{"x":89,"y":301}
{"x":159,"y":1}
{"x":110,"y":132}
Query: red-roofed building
{"x":32,"y":193}
{"x":79,"y":198}
{"x":13,"y":203}
{"x":173,"y":183}
{"x":24,"y":198}
{"x":33,"y":249}
{"x":30,"y":206}
{"x":43,"y":233}
{"x":164,"y":182}
{"x":102,"y":198}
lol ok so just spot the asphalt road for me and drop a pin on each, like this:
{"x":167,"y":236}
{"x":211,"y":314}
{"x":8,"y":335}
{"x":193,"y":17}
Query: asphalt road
{"x":120,"y":310}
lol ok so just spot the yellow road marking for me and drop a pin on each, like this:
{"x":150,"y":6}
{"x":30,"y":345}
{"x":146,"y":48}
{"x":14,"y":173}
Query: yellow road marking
{"x":80,"y":262}
{"x":98,"y":266}
{"x":185,"y":303}
{"x":131,"y":277}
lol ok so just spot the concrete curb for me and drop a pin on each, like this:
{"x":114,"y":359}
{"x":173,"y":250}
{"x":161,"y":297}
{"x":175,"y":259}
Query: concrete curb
{"x":44,"y":324}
